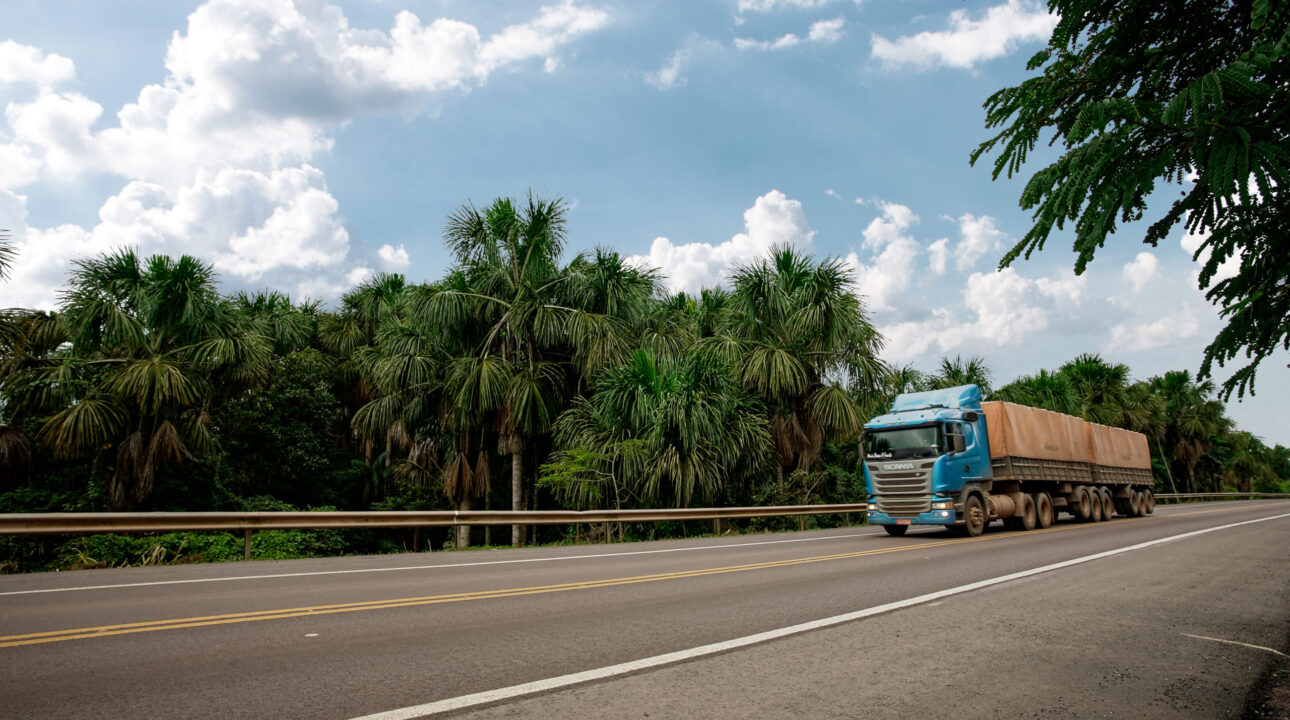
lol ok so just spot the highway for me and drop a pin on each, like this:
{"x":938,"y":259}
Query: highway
{"x":1176,"y":615}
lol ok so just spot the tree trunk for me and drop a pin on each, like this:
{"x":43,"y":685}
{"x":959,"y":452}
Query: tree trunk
{"x":517,"y":495}
{"x":463,"y":531}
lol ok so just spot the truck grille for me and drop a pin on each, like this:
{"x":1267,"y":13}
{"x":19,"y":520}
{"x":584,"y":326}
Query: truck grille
{"x":903,"y":492}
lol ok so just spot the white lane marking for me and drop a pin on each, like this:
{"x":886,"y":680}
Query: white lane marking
{"x":514,"y":691}
{"x":431,"y":567}
{"x":1236,"y":642}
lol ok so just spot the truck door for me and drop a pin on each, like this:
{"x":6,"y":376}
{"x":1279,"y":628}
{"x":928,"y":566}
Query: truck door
{"x":957,"y":464}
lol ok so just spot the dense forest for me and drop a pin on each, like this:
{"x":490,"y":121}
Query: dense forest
{"x":523,"y":378}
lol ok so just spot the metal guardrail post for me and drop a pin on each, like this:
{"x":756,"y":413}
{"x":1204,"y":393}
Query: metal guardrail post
{"x":246,"y":544}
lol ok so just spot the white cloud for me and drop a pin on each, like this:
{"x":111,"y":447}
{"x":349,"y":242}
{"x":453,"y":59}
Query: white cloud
{"x":769,"y":5}
{"x":774,"y":219}
{"x":979,"y":235}
{"x":1065,"y":289}
{"x":785,"y":41}
{"x":393,"y":258}
{"x":826,"y":31}
{"x":21,"y":64}
{"x":18,"y":166}
{"x":54,"y":131}
{"x":821,"y":32}
{"x":893,"y":255}
{"x":939,"y":255}
{"x":1003,"y":309}
{"x":669,"y":76}
{"x":967,"y":41}
{"x":216,"y":157}
{"x":1141,"y":270}
{"x":277,"y":227}
{"x":1168,"y":330}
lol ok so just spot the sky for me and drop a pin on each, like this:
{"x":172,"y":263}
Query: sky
{"x":301,"y":145}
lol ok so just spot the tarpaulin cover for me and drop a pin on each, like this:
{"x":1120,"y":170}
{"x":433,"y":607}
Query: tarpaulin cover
{"x":1021,"y":431}
{"x":1116,"y":447}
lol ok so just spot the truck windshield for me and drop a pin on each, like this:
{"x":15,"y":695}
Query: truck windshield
{"x":916,"y":442}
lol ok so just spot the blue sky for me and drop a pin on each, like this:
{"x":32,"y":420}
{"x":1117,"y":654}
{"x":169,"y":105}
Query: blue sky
{"x":302,"y":145}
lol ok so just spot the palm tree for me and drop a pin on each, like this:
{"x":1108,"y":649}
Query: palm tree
{"x":290,"y":327}
{"x":29,"y":339}
{"x":525,"y":326}
{"x":1046,"y":390}
{"x":797,"y":335}
{"x":350,"y":337}
{"x":152,"y":345}
{"x":952,"y":373}
{"x":1194,"y":419}
{"x":1100,"y":388}
{"x":1247,"y":463}
{"x":7,"y":254}
{"x":660,"y":431}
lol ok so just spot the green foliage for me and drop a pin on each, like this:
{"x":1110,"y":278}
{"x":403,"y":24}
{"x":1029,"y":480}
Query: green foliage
{"x":286,"y":440}
{"x":149,"y":388}
{"x":1140,"y":95}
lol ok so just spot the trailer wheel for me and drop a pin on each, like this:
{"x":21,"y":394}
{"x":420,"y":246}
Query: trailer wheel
{"x":1078,"y":504}
{"x":1094,"y":505}
{"x":1135,"y":503}
{"x":974,"y":519}
{"x":1026,"y":520}
{"x":1044,"y":515}
{"x":895,"y":530}
{"x":1150,"y":498}
{"x":1108,"y":507}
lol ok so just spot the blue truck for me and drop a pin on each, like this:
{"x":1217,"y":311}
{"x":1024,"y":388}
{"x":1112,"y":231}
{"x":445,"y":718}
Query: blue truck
{"x":945,"y":458}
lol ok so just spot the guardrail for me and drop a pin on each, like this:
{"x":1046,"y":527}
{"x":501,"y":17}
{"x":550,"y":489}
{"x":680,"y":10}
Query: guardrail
{"x":249,"y":522}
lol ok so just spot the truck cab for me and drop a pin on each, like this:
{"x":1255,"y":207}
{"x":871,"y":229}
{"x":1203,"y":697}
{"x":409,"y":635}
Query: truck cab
{"x":923,"y":459}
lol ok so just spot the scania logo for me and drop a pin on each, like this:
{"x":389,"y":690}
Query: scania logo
{"x":898,"y":466}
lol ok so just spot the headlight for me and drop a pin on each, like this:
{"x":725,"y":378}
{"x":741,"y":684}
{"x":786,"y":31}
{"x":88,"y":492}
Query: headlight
{"x":943,"y":505}
{"x":873,"y":507}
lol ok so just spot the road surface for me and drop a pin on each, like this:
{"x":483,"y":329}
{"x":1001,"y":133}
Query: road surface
{"x":1175,"y":615}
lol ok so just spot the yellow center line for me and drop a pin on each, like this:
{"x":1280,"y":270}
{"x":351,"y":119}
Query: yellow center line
{"x":260,"y":615}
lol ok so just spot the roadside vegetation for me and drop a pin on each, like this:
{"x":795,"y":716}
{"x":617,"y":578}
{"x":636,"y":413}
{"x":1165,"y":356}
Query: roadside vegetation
{"x":526,"y":377}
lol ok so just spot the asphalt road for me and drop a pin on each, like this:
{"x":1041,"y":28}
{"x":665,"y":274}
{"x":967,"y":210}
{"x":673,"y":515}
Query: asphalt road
{"x":1116,"y":619}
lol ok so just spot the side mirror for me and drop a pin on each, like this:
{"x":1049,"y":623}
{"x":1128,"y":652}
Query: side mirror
{"x":959,"y":444}
{"x":971,"y":416}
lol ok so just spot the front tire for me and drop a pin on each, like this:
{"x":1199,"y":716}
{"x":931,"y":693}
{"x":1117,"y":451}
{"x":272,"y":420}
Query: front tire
{"x":895,"y":530}
{"x":974,"y":518}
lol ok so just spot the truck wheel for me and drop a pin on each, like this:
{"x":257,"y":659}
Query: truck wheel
{"x":1080,"y":505}
{"x":974,"y":519}
{"x":1094,"y":505}
{"x":895,"y":530}
{"x":1043,"y":510}
{"x":1026,"y":520}
{"x":1150,"y":505}
{"x":1135,"y":503}
{"x":1108,"y":507}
